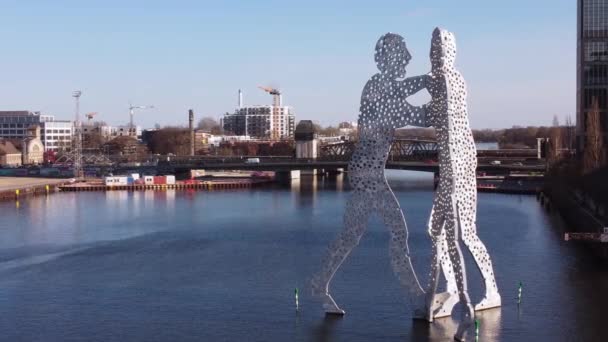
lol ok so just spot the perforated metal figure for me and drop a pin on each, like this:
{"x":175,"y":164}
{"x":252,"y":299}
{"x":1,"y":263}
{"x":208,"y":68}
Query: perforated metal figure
{"x":455,"y":203}
{"x":383,"y":109}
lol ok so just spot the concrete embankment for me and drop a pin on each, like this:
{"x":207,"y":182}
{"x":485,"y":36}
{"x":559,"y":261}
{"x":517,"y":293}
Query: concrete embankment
{"x":12,"y":188}
{"x":188,"y":185}
{"x":577,"y":217}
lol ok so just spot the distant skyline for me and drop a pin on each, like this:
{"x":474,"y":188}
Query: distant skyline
{"x":518,"y":57}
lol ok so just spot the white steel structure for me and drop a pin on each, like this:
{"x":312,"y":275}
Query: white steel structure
{"x":132,"y":109}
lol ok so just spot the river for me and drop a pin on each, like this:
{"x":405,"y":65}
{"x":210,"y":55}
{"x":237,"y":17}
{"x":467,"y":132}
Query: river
{"x":222,"y":266}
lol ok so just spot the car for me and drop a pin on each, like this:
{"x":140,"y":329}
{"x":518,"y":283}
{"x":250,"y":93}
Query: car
{"x":252,"y":161}
{"x":495,"y":162}
{"x":518,"y":164}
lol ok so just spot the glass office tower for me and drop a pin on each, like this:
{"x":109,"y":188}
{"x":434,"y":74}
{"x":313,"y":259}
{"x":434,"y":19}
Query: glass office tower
{"x":592,"y":64}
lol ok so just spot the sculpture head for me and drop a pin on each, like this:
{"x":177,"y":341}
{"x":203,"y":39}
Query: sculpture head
{"x":391,"y":55}
{"x":443,"y":49}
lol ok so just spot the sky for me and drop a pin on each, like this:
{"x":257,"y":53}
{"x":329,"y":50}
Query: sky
{"x":518,"y":57}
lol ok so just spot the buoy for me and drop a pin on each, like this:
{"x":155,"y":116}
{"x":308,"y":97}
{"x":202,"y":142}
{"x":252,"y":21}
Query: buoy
{"x":519,"y":293}
{"x":297,"y":302}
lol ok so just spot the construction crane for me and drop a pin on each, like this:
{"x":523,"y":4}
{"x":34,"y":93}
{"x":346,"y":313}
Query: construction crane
{"x":277,"y":102}
{"x":131,"y":112}
{"x":276,"y":95}
{"x":90,"y":116}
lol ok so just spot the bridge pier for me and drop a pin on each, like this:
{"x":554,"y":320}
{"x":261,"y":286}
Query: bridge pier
{"x":286,"y":176}
{"x":309,"y":172}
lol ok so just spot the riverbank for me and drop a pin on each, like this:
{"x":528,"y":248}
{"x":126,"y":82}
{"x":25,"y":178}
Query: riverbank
{"x":216,"y":184}
{"x":18,"y":187}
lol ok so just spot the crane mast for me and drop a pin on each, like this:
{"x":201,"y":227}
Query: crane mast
{"x":277,"y":103}
{"x":131,"y":113}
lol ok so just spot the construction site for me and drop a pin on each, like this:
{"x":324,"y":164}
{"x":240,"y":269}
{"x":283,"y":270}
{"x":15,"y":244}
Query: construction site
{"x":266,"y":122}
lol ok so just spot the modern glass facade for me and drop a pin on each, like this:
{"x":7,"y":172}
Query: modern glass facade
{"x":55,"y":134}
{"x":592,"y":63}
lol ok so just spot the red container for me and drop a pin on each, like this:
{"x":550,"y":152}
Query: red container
{"x":160,"y":180}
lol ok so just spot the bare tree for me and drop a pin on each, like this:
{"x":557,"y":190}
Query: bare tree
{"x":555,"y":144}
{"x":593,"y":153}
{"x":210,"y":125}
{"x":569,"y":133}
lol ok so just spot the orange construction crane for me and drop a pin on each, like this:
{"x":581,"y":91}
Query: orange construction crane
{"x":276,"y":95}
{"x":276,"y":110}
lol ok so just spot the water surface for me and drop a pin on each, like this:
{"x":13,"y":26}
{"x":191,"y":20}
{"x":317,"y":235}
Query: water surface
{"x":222,"y":266}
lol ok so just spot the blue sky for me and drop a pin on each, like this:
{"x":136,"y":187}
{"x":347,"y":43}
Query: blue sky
{"x":517,"y":56}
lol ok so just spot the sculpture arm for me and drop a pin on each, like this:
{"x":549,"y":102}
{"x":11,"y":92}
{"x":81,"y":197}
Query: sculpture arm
{"x":412,"y":115}
{"x":412,"y":85}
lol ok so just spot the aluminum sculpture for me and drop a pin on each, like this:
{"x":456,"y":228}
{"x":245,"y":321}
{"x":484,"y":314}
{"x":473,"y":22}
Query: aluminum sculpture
{"x":383,"y":109}
{"x":454,"y":206}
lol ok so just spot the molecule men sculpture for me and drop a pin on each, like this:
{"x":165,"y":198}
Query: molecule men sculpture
{"x":383,"y":109}
{"x":455,"y":203}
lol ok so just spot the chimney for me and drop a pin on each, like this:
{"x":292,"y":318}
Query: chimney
{"x":191,"y":125}
{"x":240,"y":99}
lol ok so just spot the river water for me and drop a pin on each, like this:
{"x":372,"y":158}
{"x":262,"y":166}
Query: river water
{"x":222,"y":266}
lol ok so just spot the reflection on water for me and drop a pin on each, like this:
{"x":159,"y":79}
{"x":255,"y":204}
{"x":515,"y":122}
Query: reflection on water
{"x":188,"y":265}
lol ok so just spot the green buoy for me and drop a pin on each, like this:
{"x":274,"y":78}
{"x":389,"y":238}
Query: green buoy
{"x":519,"y":293}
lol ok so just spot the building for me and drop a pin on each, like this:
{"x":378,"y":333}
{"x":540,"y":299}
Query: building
{"x":347,"y":128}
{"x":306,"y":140}
{"x":109,"y":132}
{"x":202,"y":141}
{"x":257,"y":122}
{"x":592,"y":64}
{"x":9,"y":154}
{"x":57,"y":135}
{"x":54,"y":134}
{"x":272,"y":122}
{"x":32,"y":149}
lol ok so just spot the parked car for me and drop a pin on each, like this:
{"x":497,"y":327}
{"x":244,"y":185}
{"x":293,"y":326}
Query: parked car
{"x":495,"y":162}
{"x":252,"y":161}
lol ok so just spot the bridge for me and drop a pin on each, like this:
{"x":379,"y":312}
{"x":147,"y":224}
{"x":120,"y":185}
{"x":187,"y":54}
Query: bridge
{"x":183,"y":165}
{"x":419,"y":150}
{"x":405,"y":154}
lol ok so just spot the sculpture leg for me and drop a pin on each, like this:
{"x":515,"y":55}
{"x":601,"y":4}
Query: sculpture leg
{"x":393,"y":218}
{"x":358,"y":209}
{"x":444,"y":302}
{"x":455,"y":253}
{"x":477,"y":248}
{"x":435,"y":230}
{"x":440,"y":304}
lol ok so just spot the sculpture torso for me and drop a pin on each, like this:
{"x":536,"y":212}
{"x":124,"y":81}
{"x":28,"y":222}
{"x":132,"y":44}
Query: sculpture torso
{"x":383,"y":104}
